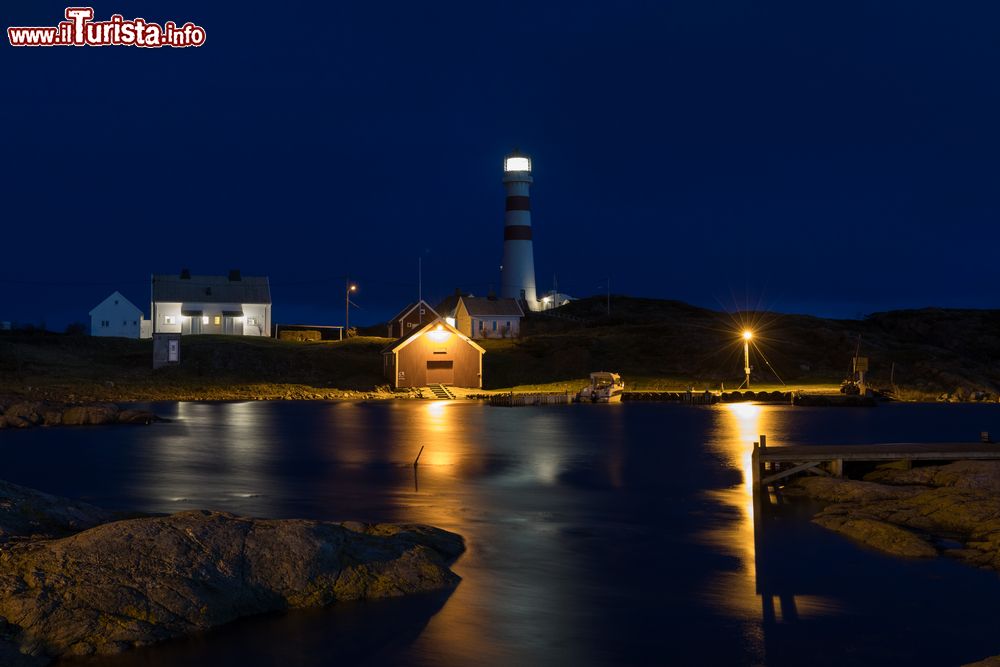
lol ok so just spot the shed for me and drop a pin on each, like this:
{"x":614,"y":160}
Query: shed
{"x":436,"y":353}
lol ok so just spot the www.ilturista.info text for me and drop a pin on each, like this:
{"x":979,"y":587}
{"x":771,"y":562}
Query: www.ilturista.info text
{"x":79,"y":29}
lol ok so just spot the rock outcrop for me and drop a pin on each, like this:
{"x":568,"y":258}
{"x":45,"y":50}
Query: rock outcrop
{"x":913,"y":512}
{"x":132,"y":582}
{"x":25,"y":414}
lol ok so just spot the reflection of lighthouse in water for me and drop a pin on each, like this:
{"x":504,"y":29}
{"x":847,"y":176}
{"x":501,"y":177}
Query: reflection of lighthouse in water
{"x":517,"y":273}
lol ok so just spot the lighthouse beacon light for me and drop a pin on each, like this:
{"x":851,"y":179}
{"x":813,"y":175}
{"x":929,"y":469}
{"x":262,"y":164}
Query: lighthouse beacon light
{"x":517,"y":163}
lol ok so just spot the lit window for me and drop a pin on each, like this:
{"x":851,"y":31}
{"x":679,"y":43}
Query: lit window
{"x":218,"y":320}
{"x":204,"y":319}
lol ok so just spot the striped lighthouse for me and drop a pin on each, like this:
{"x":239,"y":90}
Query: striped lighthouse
{"x":517,"y":273}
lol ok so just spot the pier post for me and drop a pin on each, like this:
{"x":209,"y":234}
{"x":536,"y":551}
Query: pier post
{"x":837,"y":467}
{"x":755,"y":467}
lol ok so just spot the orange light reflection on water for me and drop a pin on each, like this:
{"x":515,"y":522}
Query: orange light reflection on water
{"x":739,"y":426}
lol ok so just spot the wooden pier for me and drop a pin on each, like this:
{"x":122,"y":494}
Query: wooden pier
{"x":774,"y":464}
{"x":512,"y":400}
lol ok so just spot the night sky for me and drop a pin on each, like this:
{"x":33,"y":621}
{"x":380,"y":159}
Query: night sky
{"x":835,"y":158}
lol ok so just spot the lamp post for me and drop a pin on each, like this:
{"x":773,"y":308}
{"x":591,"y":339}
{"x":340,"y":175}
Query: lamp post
{"x":347,"y":305}
{"x":747,"y":337}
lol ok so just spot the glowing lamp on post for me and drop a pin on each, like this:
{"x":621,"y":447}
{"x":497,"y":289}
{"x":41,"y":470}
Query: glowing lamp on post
{"x":347,"y":306}
{"x":747,"y":337}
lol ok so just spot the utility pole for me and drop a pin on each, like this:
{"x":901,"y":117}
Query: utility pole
{"x":348,"y":288}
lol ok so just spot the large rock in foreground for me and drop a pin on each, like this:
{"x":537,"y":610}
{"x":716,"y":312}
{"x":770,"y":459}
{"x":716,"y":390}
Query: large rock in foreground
{"x":133,"y":582}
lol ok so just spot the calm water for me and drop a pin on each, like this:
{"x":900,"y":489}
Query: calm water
{"x":597,"y":535}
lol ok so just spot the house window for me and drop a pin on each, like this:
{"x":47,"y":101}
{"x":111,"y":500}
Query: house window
{"x":218,"y":320}
{"x":481,"y":327}
{"x":494,"y":325}
{"x":204,"y":319}
{"x":252,"y":321}
{"x":168,"y":319}
{"x":135,"y":322}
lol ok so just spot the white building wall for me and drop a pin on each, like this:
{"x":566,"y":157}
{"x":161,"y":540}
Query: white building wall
{"x":115,"y":316}
{"x":167,"y":317}
{"x":256,"y":320}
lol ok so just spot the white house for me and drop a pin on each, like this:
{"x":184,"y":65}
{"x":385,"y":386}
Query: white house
{"x":116,"y":316}
{"x":488,"y":317}
{"x":234,"y":305}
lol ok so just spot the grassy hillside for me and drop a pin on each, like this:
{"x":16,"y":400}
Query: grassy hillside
{"x":213,"y":367}
{"x":657,"y":343}
{"x":653,"y":343}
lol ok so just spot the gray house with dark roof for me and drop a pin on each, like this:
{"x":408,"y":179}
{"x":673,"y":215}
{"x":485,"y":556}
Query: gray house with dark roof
{"x":488,"y":317}
{"x":234,"y":305}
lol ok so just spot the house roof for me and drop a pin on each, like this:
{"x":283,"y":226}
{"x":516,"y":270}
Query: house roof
{"x":406,"y":311}
{"x":446,"y":308}
{"x":400,"y":343}
{"x":481,"y":306}
{"x":211,"y":289}
{"x":122,"y":302}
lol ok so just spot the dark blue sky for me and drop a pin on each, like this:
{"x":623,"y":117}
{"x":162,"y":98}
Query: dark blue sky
{"x":835,"y":158}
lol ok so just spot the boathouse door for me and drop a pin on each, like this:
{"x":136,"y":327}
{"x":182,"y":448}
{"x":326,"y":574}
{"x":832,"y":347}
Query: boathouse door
{"x":440,"y":372}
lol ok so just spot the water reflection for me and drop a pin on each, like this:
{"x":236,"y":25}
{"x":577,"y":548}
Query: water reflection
{"x":757,"y":590}
{"x":591,"y":537}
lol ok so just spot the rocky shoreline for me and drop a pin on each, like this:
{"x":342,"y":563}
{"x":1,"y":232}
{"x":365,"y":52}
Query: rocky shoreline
{"x":951,"y":510}
{"x":16,"y":413}
{"x":78,"y":580}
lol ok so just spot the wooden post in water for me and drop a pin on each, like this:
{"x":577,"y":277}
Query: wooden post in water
{"x":417,"y":460}
{"x":755,"y":467}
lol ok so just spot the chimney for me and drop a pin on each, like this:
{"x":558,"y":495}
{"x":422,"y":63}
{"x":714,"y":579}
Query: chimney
{"x":185,"y":274}
{"x":234,"y":275}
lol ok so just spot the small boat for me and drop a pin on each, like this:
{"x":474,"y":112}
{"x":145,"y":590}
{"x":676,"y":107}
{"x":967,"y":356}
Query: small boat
{"x":604,"y":387}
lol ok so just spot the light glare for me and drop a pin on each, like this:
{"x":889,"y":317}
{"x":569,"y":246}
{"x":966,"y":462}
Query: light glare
{"x":517,"y":164}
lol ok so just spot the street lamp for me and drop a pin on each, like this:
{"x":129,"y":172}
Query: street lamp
{"x":347,"y":306}
{"x":747,"y":337}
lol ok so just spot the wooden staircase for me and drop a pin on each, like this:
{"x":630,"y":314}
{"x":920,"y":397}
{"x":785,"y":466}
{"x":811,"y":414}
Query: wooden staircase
{"x":441,"y":392}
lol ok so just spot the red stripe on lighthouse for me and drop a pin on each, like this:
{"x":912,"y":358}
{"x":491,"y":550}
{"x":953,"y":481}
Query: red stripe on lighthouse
{"x":517,"y":232}
{"x":518,"y":203}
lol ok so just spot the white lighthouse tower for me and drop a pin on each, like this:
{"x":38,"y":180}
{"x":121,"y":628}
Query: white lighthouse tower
{"x":517,"y":273}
